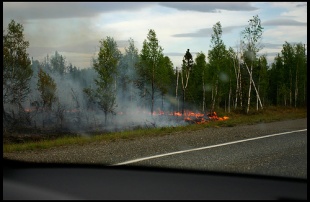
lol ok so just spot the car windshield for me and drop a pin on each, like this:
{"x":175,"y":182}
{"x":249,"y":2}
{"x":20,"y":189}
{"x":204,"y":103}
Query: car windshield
{"x":208,"y":86}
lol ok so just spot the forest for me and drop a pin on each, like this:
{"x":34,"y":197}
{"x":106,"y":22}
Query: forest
{"x":143,"y":88}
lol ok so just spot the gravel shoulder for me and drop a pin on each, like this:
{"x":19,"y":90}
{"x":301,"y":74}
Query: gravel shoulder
{"x":112,"y":152}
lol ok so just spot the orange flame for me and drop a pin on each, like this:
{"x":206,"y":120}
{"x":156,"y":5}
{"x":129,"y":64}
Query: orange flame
{"x":189,"y":116}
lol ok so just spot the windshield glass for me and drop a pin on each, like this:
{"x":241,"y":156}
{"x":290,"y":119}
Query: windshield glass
{"x":209,"y":86}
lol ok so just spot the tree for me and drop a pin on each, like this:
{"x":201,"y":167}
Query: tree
{"x":47,"y":88}
{"x":199,"y":76}
{"x":299,"y":63}
{"x":217,"y":59}
{"x":233,"y":57}
{"x":233,"y":73}
{"x":106,"y":67}
{"x":262,"y":81}
{"x":252,"y":35}
{"x":58,"y":63}
{"x":150,"y":57}
{"x":128,"y":73}
{"x":301,"y":74}
{"x":186,"y":69}
{"x":277,"y":82}
{"x":165,"y":76}
{"x":17,"y":69}
{"x":288,"y":53}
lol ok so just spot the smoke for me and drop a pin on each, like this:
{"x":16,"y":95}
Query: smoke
{"x":74,"y":112}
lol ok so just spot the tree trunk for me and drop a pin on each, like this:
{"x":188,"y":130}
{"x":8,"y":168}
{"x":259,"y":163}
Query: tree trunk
{"x":105,"y":117}
{"x":183,"y":101}
{"x":184,"y":86}
{"x":203,"y":93}
{"x":162,"y":102}
{"x":291,"y":87}
{"x":249,"y":95}
{"x":153,"y":80}
{"x":4,"y":113}
{"x":296,"y":86}
{"x":203,"y":98}
{"x":252,"y":81}
{"x":240,"y":91}
{"x":257,"y":96}
{"x":215,"y":95}
{"x":229,"y":95}
{"x":177,"y":85}
{"x":176,"y":88}
{"x":237,"y":90}
{"x":305,"y":91}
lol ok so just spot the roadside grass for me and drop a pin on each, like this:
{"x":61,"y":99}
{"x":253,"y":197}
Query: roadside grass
{"x":269,"y":114}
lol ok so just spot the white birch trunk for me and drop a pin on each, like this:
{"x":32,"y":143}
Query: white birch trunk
{"x":254,"y":87}
{"x":258,"y":92}
{"x":296,"y":86}
{"x":249,"y":95}
{"x":229,"y":95}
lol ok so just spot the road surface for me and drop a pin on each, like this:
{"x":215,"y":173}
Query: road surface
{"x":277,"y":148}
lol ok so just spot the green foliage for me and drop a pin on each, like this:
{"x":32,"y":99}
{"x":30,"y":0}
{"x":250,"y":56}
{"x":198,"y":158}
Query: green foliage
{"x":106,"y":67}
{"x":148,"y":69}
{"x":253,"y":34}
{"x":16,"y":65}
{"x":165,"y":75}
{"x":47,"y":88}
{"x":198,"y":80}
{"x":288,"y":76}
{"x":217,"y":61}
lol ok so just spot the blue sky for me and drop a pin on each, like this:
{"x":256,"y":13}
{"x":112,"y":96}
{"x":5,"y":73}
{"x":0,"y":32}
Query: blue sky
{"x":75,"y":29}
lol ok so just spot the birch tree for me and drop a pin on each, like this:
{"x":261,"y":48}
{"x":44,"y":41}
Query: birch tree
{"x":252,"y":36}
{"x":216,"y":57}
{"x":185,"y":72}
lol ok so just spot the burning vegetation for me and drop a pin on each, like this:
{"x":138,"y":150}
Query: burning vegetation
{"x":192,"y":117}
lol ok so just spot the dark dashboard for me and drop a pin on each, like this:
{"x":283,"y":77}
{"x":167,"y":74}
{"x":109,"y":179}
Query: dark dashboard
{"x":37,"y":181}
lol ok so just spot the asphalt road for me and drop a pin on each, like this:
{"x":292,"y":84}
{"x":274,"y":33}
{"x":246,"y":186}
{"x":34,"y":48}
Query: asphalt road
{"x":281,"y":155}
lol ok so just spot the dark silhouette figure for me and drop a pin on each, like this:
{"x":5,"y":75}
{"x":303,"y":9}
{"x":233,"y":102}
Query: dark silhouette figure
{"x":188,"y":56}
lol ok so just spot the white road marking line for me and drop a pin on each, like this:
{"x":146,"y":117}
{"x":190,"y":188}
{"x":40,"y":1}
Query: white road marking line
{"x":207,"y":147}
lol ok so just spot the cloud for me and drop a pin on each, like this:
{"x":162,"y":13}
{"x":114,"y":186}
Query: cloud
{"x":174,"y":54}
{"x":207,"y":32}
{"x":272,"y":46}
{"x":212,"y":7}
{"x":283,"y":22}
{"x":55,"y":10}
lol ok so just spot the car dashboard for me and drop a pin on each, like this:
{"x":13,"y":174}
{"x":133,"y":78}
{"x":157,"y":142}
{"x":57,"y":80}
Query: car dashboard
{"x":39,"y":181}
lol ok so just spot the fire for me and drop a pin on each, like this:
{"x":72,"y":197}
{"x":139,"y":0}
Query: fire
{"x":189,"y":116}
{"x":199,"y":118}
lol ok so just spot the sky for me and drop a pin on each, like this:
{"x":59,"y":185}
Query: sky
{"x":74,"y":29}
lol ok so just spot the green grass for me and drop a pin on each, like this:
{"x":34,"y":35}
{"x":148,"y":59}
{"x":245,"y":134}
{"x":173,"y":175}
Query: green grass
{"x":263,"y":116}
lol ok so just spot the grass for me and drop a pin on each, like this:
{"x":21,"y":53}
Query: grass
{"x":235,"y":118}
